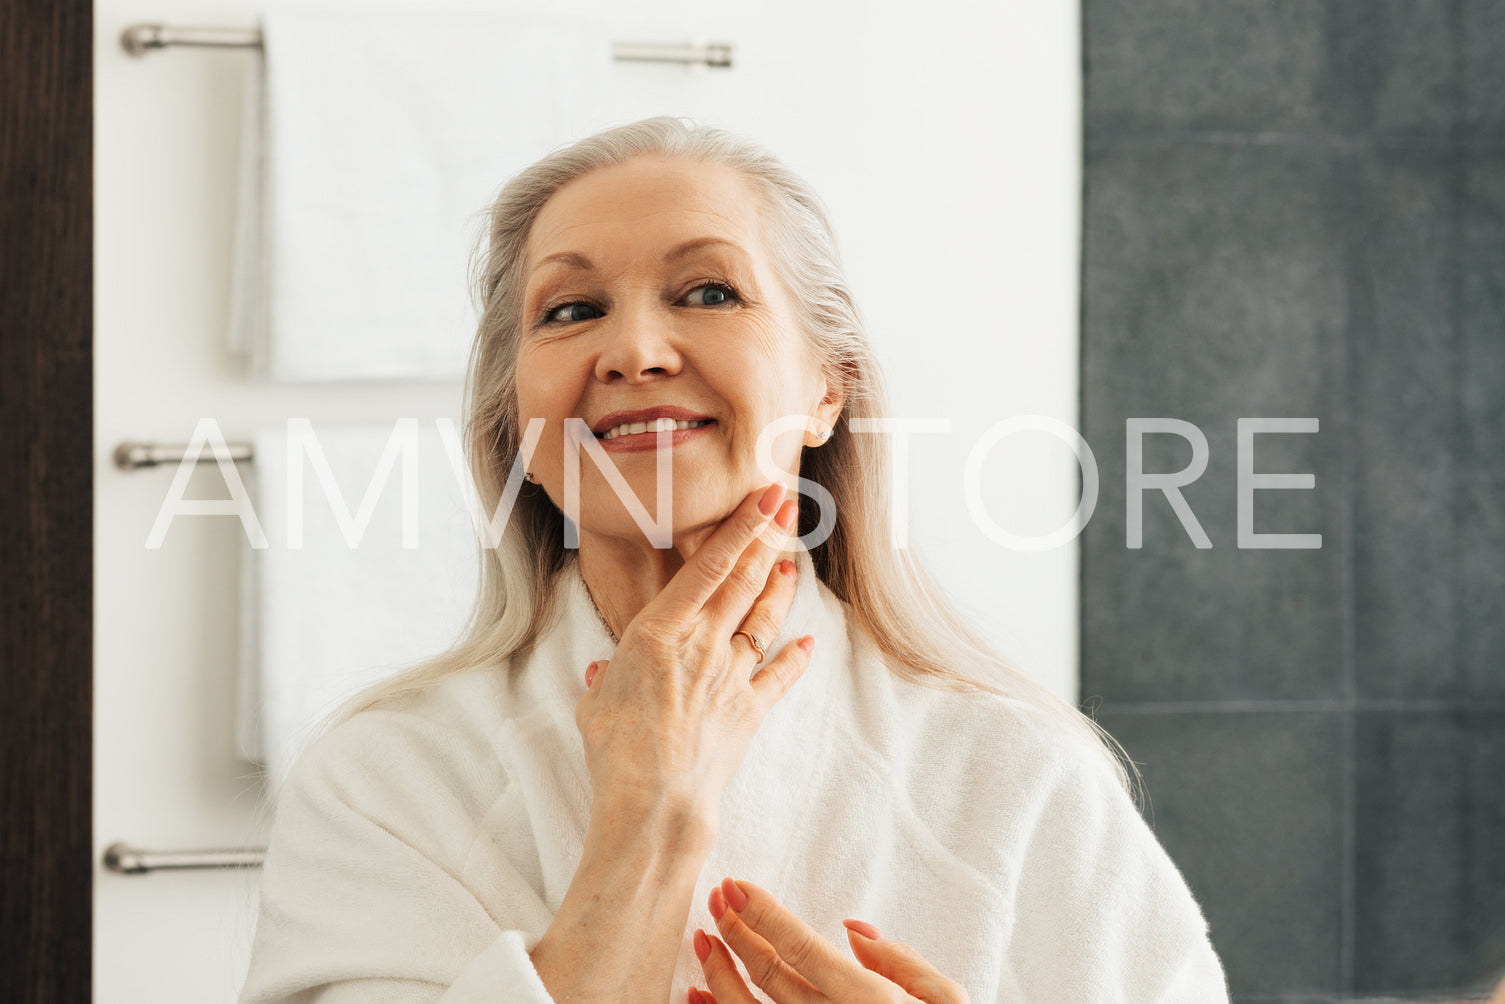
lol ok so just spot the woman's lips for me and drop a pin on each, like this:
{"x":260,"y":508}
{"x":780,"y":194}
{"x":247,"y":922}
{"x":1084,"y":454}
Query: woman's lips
{"x":638,"y":442}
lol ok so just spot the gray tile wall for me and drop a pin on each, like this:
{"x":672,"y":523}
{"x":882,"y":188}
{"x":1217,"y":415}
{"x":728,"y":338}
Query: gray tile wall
{"x":1296,"y":208}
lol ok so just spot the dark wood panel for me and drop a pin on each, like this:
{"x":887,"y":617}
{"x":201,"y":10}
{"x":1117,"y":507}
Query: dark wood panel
{"x":46,"y":502}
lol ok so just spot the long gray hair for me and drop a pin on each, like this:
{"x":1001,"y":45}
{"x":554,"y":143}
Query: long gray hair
{"x":889,"y":595}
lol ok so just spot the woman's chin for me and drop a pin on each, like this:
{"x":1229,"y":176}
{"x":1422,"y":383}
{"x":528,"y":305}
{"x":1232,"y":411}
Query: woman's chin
{"x":691,"y":527}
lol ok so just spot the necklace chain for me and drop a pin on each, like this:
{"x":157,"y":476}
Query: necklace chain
{"x":596,"y":609}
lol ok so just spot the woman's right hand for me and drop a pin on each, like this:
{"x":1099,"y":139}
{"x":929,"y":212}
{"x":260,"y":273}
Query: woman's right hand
{"x":667,"y":721}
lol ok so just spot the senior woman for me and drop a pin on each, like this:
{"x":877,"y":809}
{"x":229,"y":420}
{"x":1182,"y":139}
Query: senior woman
{"x":765,"y":762}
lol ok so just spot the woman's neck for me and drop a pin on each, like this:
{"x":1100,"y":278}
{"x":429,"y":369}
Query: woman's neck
{"x":622,"y":575}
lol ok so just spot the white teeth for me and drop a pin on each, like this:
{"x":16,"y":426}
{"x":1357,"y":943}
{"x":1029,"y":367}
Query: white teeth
{"x":656,"y":425}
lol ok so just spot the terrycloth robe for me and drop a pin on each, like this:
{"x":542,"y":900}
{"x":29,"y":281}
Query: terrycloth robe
{"x":419,"y":853}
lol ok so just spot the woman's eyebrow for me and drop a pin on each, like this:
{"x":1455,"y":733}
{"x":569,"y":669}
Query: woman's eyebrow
{"x":689,"y":247}
{"x":573,"y":259}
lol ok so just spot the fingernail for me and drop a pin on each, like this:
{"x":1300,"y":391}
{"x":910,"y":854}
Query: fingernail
{"x":695,"y":997}
{"x":788,"y":513}
{"x":717,"y":904}
{"x":787,"y":567}
{"x":735,"y":897}
{"x":702,"y":945}
{"x":590,"y":672}
{"x":863,"y":928}
{"x":772,"y":496}
{"x":807,"y":643}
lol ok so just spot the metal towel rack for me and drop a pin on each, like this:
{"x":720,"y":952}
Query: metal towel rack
{"x":138,"y":39}
{"x":120,"y":857}
{"x":123,"y":858}
{"x":128,"y":860}
{"x":130,"y":456}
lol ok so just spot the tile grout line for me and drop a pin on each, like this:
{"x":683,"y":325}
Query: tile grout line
{"x":1084,"y":192}
{"x":1348,"y":936}
{"x":1450,"y":142}
{"x":1315,"y":705}
{"x":1456,"y":183}
{"x":1348,"y":612}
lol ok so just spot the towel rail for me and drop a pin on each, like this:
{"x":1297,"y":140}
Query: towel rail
{"x":130,"y":456}
{"x":127,"y":860}
{"x":138,"y":39}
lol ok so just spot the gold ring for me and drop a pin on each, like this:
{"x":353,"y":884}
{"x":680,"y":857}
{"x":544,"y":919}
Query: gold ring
{"x":751,"y":640}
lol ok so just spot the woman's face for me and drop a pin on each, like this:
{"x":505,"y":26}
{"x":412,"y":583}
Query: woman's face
{"x":650,"y":293}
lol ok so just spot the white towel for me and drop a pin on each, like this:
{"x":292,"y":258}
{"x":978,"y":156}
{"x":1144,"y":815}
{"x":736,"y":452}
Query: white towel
{"x":326,"y":620}
{"x":371,"y":147}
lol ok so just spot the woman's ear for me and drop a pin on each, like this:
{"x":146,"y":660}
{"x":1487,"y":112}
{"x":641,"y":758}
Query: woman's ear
{"x":833,"y":397}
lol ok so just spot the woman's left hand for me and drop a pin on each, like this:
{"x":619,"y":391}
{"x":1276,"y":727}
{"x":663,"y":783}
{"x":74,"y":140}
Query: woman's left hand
{"x":795,"y":965}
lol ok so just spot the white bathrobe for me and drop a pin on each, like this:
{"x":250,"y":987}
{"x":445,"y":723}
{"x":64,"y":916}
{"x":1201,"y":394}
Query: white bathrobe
{"x":418,"y":854}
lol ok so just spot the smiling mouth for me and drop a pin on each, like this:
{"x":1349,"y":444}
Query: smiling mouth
{"x":654,"y":425}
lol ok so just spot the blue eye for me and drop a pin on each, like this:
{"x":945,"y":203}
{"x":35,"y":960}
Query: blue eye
{"x":712,"y":294}
{"x":572,"y":312}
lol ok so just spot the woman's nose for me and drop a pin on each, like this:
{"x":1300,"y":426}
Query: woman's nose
{"x":639,"y":348}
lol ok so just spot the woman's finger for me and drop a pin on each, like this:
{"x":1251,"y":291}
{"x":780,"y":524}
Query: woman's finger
{"x":900,"y":964}
{"x":783,"y":954}
{"x":742,"y":587}
{"x":594,"y":670}
{"x":768,"y":611}
{"x":726,"y":983}
{"x":588,"y":699}
{"x":721,"y":554}
{"x":776,"y":677}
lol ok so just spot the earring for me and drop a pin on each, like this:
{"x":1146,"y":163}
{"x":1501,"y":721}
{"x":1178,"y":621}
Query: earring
{"x":528,"y":477}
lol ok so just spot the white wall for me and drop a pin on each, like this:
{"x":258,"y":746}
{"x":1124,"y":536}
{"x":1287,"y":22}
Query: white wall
{"x":944,"y":136}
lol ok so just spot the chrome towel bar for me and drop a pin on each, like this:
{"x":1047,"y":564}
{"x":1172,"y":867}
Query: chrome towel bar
{"x":140,"y":38}
{"x":129,"y":456}
{"x":128,"y":860}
